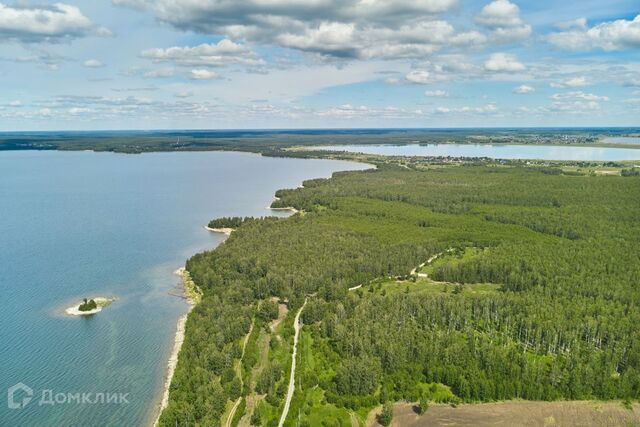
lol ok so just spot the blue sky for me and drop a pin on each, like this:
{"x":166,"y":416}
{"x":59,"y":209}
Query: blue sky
{"x":208,"y":64}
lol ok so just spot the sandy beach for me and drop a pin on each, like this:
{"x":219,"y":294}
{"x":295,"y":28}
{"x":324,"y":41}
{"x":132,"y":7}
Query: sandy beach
{"x":290,"y":209}
{"x":173,"y":358}
{"x":226,"y":231}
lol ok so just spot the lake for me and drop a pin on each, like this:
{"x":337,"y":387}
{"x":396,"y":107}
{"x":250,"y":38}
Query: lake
{"x":83,"y":224}
{"x":622,"y":140}
{"x":494,"y":151}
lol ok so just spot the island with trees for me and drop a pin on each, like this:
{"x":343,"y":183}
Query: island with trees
{"x":433,"y":284}
{"x":89,"y":306}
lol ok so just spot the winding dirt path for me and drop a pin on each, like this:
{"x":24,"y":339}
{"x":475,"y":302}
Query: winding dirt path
{"x":429,"y":261}
{"x":238,"y":400}
{"x":292,"y":376}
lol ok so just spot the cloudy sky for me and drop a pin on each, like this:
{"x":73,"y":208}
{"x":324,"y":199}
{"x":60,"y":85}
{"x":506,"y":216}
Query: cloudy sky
{"x":157,"y":64}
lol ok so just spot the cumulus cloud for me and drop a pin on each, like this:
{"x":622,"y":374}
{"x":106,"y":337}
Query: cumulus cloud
{"x":436,"y":93}
{"x":203,"y":74}
{"x":503,"y":18}
{"x":45,"y":23}
{"x":249,"y":16}
{"x":576,"y":102}
{"x":571,"y":82}
{"x":348,"y":40}
{"x":503,"y":62}
{"x":579,"y":95}
{"x":335,"y":28}
{"x":612,"y":35}
{"x":524,"y":89}
{"x":93,"y":63}
{"x":221,"y":54}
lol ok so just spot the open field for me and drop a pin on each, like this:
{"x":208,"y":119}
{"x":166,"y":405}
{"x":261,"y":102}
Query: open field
{"x":517,"y":414}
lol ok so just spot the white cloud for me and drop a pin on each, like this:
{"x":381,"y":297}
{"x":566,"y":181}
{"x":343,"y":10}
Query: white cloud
{"x":613,"y":35}
{"x":348,"y":40}
{"x":425,"y":77}
{"x":93,"y":63}
{"x":436,"y":93}
{"x":503,"y":62}
{"x":485,"y":109}
{"x":159,"y":74}
{"x":203,"y":74}
{"x":500,"y":13}
{"x":16,"y":103}
{"x":503,"y":17}
{"x":79,"y":110}
{"x":45,"y":23}
{"x":184,"y":94}
{"x":571,"y":82}
{"x":577,"y":102}
{"x":524,"y":89}
{"x":221,"y":54}
{"x":419,"y":76}
{"x":332,"y":38}
{"x":349,"y":111}
{"x":578,"y":95}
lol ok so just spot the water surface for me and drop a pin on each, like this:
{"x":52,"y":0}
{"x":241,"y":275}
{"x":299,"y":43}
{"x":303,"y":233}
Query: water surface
{"x":622,"y":140}
{"x":494,"y":151}
{"x":75,"y":224}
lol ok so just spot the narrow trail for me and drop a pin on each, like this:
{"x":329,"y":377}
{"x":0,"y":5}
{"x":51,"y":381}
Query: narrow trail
{"x":239,"y":372}
{"x":292,"y":376}
{"x":427,"y":262}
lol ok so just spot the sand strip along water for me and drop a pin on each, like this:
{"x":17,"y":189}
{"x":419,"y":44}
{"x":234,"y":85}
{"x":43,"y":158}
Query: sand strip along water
{"x":173,"y":359}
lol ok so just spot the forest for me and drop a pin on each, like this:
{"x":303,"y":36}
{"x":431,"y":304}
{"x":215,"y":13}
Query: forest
{"x":532,"y":293}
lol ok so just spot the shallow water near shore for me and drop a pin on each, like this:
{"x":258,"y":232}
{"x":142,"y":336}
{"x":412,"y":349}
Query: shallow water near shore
{"x":81,"y":224}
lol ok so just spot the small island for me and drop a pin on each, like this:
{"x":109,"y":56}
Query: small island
{"x":89,"y":306}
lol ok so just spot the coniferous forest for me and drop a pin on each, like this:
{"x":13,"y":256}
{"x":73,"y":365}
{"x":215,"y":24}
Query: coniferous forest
{"x":532,"y":292}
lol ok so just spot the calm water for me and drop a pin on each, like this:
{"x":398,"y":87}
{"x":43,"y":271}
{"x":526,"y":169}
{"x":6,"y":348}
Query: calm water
{"x":75,"y":224}
{"x":622,"y":140}
{"x":542,"y":152}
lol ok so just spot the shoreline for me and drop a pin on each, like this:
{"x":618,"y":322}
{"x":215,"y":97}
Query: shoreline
{"x":226,"y":231}
{"x":290,"y":209}
{"x":181,"y":324}
{"x":172,"y":363}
